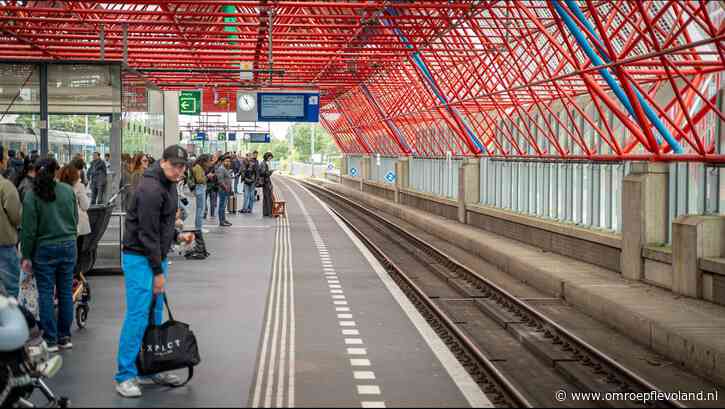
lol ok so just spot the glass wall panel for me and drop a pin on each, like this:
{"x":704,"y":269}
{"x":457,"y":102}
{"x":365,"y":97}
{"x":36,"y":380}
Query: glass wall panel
{"x":143,"y":116}
{"x":19,"y":89}
{"x":81,"y":88}
{"x":71,"y":135}
{"x":19,"y":107}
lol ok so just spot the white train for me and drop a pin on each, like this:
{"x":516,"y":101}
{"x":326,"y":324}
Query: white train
{"x":64,"y":145}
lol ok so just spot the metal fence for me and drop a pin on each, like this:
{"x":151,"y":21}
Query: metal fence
{"x":382,"y":170}
{"x":585,"y":194}
{"x":435,"y":176}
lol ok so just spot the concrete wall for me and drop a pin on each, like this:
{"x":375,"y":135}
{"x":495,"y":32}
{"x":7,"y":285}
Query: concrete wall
{"x":597,"y":253}
{"x":379,"y":189}
{"x":351,"y":182}
{"x":432,"y":204}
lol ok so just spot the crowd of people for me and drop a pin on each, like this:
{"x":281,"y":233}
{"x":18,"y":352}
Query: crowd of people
{"x":44,"y":216}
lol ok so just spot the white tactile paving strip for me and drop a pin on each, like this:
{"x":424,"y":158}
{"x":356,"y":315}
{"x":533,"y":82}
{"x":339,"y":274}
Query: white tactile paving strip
{"x":275,"y":382}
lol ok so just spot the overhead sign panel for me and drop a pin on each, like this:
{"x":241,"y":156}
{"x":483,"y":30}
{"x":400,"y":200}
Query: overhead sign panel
{"x":259,"y":137}
{"x":288,"y":107}
{"x":190,"y":102}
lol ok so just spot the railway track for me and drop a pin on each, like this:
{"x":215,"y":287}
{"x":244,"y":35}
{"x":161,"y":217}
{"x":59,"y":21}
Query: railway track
{"x":518,"y":356}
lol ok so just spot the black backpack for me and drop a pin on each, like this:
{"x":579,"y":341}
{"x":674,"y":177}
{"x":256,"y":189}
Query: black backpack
{"x":249,"y":175}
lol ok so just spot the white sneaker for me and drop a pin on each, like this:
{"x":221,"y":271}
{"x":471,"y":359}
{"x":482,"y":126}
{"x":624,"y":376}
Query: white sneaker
{"x":128,"y":389}
{"x":160,"y":379}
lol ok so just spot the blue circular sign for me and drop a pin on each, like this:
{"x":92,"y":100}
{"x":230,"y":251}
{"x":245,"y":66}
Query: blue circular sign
{"x":353,"y":172}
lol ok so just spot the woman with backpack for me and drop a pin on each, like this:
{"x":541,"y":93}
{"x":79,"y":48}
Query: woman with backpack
{"x":249,"y":180}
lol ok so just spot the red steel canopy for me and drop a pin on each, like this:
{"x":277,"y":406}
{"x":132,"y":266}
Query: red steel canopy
{"x":574,"y":79}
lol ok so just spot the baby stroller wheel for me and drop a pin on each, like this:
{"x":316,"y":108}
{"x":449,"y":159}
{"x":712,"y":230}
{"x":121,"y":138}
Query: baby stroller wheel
{"x":81,"y":316}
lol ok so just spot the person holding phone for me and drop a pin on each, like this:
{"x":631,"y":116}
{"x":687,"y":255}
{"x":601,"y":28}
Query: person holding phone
{"x":265,"y":173}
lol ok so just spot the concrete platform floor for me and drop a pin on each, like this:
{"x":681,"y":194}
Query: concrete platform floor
{"x":287,"y":312}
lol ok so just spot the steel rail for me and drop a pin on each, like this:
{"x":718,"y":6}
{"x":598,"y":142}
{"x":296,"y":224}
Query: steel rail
{"x":544,"y":322}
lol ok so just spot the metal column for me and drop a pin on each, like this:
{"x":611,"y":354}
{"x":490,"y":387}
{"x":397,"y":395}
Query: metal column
{"x":43,"y":110}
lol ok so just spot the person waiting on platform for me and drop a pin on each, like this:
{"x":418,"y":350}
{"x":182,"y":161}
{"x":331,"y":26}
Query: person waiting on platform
{"x":224,"y":180}
{"x":48,"y":244}
{"x":97,"y":177}
{"x":150,"y":233}
{"x":25,"y":180}
{"x":140,"y":164}
{"x":265,"y":173}
{"x":9,"y":221}
{"x":70,"y":174}
{"x":198,"y":173}
{"x":249,"y":180}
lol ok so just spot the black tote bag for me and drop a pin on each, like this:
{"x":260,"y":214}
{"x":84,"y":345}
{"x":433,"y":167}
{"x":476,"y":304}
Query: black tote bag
{"x":167,"y":347}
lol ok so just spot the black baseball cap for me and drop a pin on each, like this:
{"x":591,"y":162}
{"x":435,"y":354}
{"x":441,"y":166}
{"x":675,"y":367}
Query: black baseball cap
{"x":176,"y":154}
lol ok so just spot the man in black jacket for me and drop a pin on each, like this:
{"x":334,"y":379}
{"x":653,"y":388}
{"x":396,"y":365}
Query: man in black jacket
{"x":97,"y":177}
{"x":150,"y":232}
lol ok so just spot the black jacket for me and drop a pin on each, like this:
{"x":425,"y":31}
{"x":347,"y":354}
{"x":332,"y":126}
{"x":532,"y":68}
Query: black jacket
{"x":150,"y":218}
{"x":97,"y":172}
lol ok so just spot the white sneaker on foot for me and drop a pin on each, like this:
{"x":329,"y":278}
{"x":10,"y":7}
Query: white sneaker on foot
{"x":160,"y":379}
{"x":129,"y":389}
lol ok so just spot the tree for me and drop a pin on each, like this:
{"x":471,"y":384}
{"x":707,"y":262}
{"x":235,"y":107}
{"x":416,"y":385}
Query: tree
{"x":301,"y":136}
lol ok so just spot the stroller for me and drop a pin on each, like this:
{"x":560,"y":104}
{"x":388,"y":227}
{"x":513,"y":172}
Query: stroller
{"x":99,"y":217}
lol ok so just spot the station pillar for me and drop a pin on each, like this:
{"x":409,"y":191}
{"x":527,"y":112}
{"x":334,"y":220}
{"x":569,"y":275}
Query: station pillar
{"x":364,"y":171}
{"x":644,"y":214}
{"x":402,"y":169}
{"x":469,"y":185}
{"x":171,"y":119}
{"x":694,"y":237}
{"x":343,"y":166}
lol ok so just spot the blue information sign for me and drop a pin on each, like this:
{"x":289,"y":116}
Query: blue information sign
{"x":288,"y":107}
{"x":200,"y":136}
{"x":353,"y":172}
{"x":390,"y":177}
{"x":232,"y":136}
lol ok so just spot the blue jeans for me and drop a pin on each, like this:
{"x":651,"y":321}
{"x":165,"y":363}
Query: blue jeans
{"x":139,"y":280}
{"x":53,"y":266}
{"x":249,"y":196}
{"x":10,"y":269}
{"x":200,"y":194}
{"x":223,"y":197}
{"x":236,"y":184}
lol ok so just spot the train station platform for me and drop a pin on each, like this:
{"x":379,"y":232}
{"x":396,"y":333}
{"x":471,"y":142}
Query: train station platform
{"x":288,"y":312}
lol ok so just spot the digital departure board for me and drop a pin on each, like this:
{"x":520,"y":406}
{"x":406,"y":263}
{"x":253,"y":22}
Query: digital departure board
{"x":288,"y":107}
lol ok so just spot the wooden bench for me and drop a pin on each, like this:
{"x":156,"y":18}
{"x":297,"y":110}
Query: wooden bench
{"x":279,"y":207}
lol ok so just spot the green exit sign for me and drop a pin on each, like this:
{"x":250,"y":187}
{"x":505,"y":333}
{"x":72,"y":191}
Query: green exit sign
{"x":190,"y":102}
{"x":221,"y":136}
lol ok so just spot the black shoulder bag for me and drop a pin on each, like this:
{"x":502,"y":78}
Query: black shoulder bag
{"x":167,"y":347}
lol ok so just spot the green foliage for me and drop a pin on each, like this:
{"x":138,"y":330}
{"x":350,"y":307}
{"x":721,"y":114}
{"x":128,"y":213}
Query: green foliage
{"x":301,"y":137}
